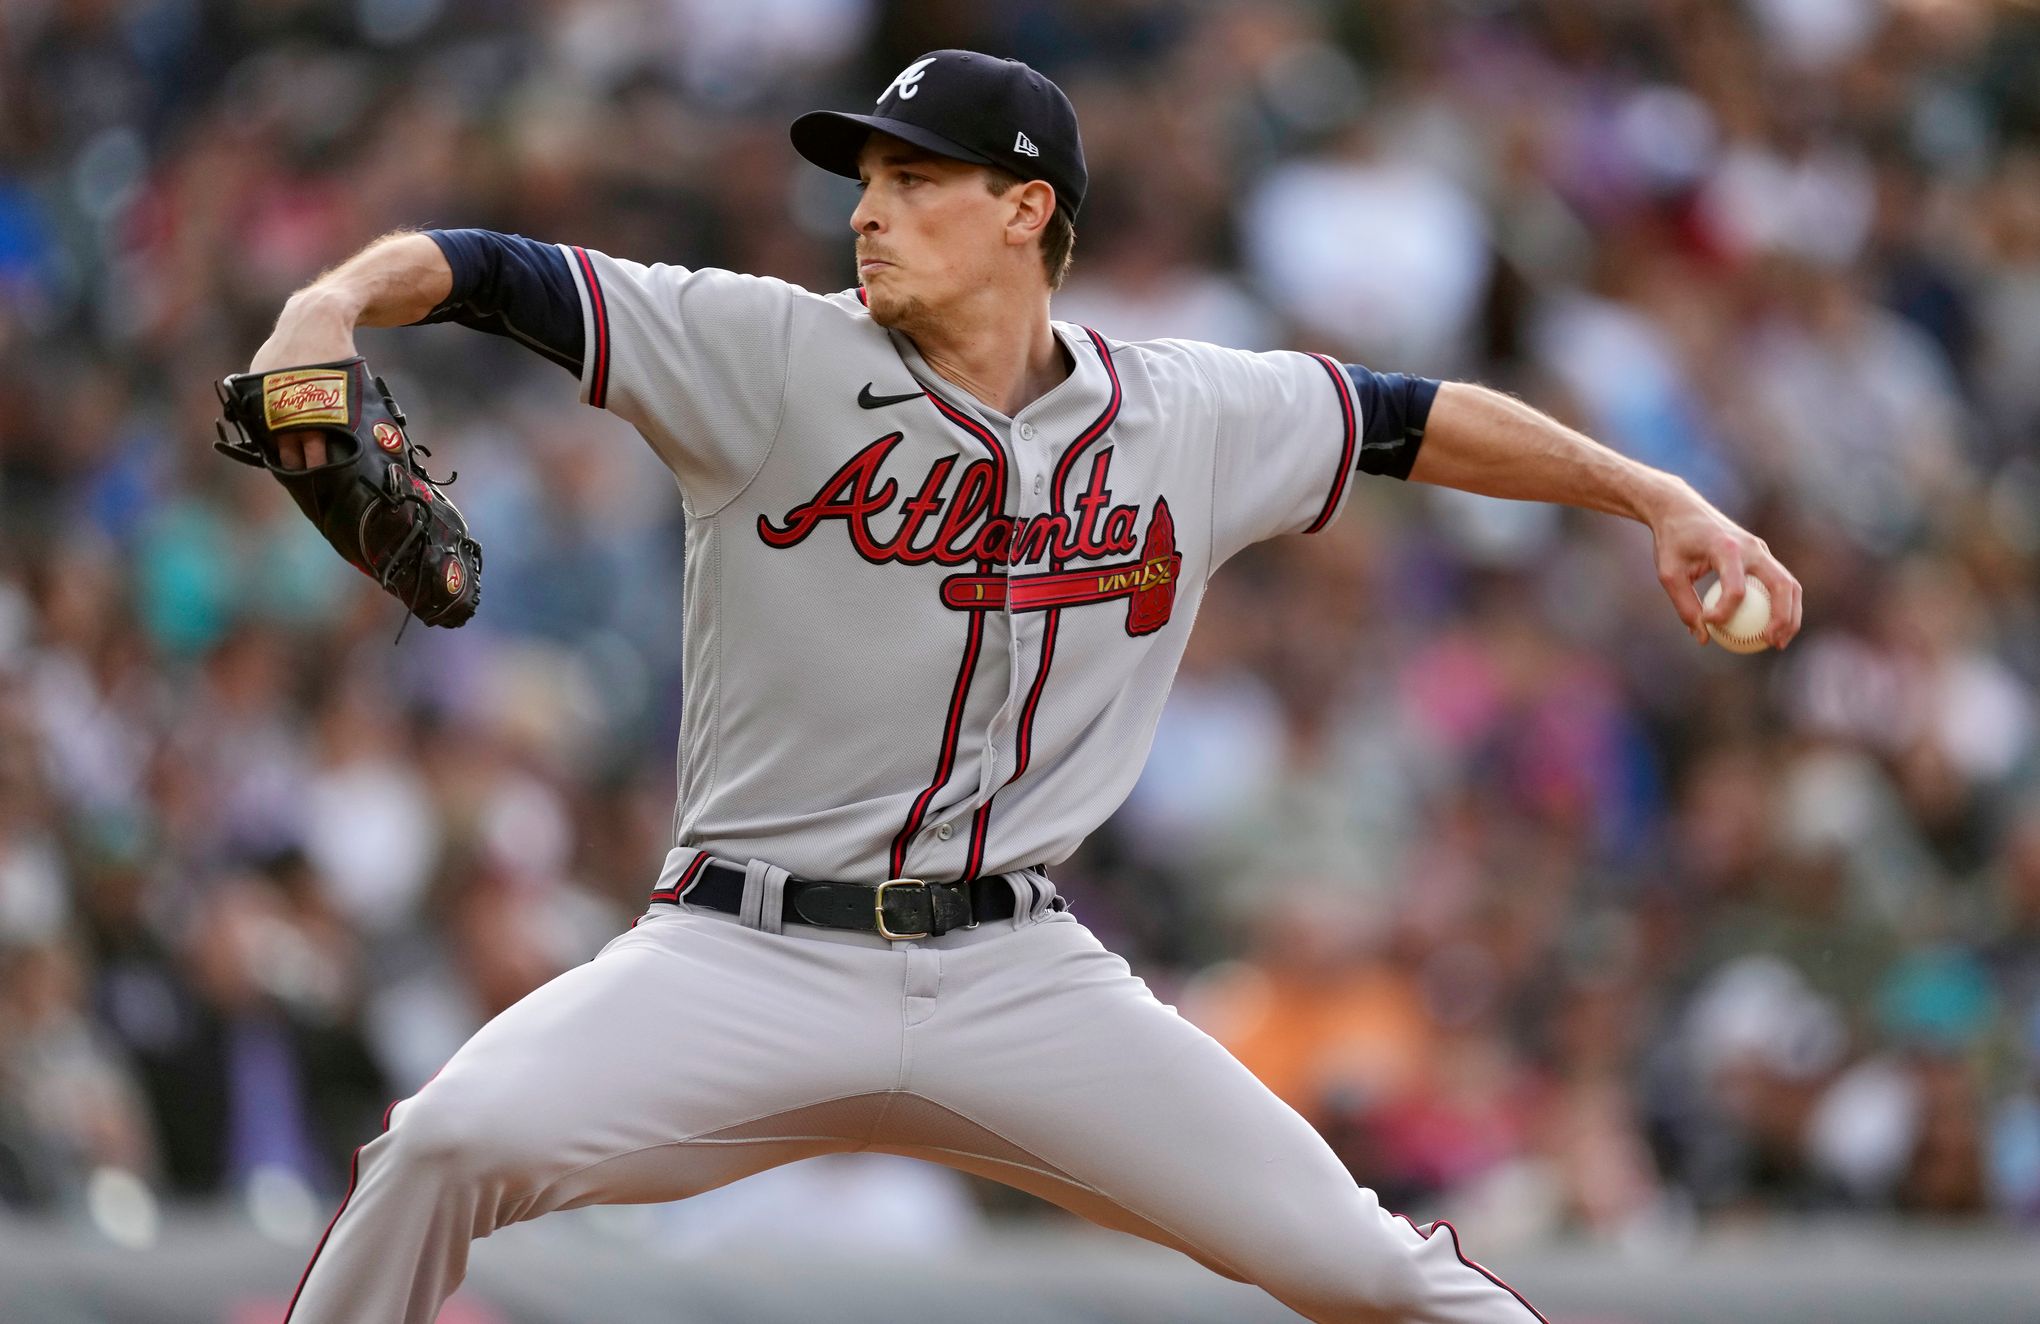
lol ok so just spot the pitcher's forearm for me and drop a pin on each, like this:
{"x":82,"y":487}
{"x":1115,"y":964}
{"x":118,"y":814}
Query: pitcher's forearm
{"x":394,"y":281}
{"x":1482,"y":441}
{"x":1479,"y":440}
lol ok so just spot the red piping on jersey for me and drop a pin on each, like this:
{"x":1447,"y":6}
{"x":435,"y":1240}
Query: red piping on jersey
{"x":980,"y":824}
{"x":1023,"y":740}
{"x":353,"y":1176}
{"x":1474,"y":1265}
{"x":683,"y":882}
{"x":598,"y":382}
{"x":1068,"y":462}
{"x":952,"y":730}
{"x":1344,"y":388}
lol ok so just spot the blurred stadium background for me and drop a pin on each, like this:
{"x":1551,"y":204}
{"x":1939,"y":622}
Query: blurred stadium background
{"x":1690,"y":986}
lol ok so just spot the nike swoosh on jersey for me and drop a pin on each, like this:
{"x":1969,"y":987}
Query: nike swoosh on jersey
{"x":870,"y":401}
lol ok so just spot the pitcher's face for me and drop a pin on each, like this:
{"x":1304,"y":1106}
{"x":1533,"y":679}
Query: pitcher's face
{"x":929,"y":232}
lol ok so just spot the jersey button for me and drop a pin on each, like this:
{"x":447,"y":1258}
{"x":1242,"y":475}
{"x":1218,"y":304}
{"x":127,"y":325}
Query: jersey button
{"x":944,"y":831}
{"x":1037,"y":484}
{"x":1027,"y":432}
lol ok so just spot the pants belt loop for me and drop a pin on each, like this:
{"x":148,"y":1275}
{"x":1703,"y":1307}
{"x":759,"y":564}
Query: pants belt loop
{"x":1025,"y":899}
{"x":764,"y":897}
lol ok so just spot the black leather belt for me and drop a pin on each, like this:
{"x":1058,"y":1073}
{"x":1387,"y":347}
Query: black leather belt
{"x":899,"y":909}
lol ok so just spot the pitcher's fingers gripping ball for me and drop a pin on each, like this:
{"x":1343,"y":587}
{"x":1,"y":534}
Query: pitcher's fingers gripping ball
{"x":371,"y":496}
{"x":1743,"y":631}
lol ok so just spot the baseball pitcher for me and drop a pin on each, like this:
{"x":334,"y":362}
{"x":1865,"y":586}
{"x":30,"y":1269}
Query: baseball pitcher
{"x":943,"y":554}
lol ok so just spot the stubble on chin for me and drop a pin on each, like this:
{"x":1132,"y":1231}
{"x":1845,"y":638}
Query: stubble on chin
{"x":894,"y":312}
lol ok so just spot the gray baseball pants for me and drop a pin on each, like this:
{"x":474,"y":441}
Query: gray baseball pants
{"x":697,"y":1049}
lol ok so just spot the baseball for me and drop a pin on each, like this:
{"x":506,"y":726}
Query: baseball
{"x":1744,"y":631}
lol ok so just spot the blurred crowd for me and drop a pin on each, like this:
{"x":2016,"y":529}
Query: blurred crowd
{"x":1538,"y":911}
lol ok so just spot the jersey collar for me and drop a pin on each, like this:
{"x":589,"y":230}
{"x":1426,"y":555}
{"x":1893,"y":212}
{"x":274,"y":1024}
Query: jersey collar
{"x":1061,"y":412}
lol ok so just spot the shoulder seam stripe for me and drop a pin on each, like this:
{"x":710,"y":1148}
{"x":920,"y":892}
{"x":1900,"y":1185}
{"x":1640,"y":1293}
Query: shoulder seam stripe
{"x":1339,"y":384}
{"x":598,"y":381}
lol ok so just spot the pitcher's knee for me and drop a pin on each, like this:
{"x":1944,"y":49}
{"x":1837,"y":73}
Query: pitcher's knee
{"x":439,"y":1137}
{"x":1368,"y":1279}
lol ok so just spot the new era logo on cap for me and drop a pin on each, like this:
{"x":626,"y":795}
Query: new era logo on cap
{"x":967,"y":106}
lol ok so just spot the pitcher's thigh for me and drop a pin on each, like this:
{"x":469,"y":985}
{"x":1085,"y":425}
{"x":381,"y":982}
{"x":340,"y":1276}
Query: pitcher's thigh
{"x":680,"y":1029}
{"x":1115,"y":1092}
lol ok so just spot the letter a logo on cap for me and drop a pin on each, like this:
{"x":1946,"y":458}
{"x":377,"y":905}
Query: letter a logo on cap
{"x":1025,"y":146}
{"x":908,"y":83}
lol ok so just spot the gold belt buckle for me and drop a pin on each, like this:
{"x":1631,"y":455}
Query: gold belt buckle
{"x":878,"y":909}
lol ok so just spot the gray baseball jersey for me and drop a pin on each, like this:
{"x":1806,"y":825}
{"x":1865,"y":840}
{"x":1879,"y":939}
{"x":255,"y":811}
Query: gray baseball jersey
{"x":924,"y":638}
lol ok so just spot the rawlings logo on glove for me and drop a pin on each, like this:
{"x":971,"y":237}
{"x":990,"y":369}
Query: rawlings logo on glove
{"x":301,"y":398}
{"x":372,"y":499}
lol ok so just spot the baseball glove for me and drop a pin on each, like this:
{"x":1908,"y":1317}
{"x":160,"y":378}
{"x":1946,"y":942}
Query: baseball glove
{"x":372,"y":498}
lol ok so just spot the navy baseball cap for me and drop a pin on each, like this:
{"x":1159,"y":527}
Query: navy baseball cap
{"x":967,"y":106}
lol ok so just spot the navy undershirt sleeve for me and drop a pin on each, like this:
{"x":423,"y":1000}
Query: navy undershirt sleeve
{"x":511,"y":286}
{"x":1395,"y":408}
